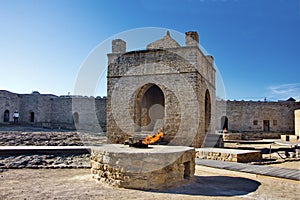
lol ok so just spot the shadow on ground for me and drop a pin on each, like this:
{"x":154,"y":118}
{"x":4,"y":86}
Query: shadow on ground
{"x":216,"y":186}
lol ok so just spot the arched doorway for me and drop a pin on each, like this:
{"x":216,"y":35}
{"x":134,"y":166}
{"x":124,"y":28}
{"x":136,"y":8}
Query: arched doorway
{"x":76,"y":117}
{"x":31,"y":117}
{"x":207,"y":111}
{"x":150,"y":108}
{"x":224,"y":123}
{"x":6,"y":116}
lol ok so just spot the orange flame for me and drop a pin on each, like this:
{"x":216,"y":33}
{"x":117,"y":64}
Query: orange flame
{"x":152,"y":139}
{"x":224,"y":130}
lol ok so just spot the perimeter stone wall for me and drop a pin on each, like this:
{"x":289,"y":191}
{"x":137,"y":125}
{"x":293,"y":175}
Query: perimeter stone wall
{"x":249,"y":116}
{"x":50,"y":111}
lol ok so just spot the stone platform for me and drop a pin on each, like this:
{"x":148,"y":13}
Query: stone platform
{"x":156,"y":167}
{"x":229,"y":155}
{"x":290,"y":138}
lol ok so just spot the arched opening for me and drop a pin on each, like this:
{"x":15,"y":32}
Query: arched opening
{"x":150,"y":108}
{"x":75,"y":117}
{"x":31,"y":117}
{"x":6,"y":116}
{"x":207,"y":111}
{"x":224,"y":123}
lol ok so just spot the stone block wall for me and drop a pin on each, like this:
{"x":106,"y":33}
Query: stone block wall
{"x":46,"y":110}
{"x":249,"y":116}
{"x":232,"y":136}
{"x":9,"y":102}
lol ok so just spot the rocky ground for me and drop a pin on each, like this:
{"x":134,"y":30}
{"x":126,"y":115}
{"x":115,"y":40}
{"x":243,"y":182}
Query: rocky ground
{"x":24,"y":136}
{"x":45,"y":161}
{"x":15,"y":136}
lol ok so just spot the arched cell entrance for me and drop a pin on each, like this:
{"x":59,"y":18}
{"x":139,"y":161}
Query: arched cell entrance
{"x":31,"y":117}
{"x":6,"y":116}
{"x":75,"y":118}
{"x":224,"y":123}
{"x":149,"y":108}
{"x":207,"y":111}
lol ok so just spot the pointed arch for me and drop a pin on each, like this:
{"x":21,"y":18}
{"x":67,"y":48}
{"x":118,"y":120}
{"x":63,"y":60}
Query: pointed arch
{"x":149,"y":108}
{"x":6,"y":116}
{"x":207,"y":111}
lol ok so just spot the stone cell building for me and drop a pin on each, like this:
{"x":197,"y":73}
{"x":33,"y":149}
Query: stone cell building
{"x":50,"y":111}
{"x":254,"y":116}
{"x":165,"y":86}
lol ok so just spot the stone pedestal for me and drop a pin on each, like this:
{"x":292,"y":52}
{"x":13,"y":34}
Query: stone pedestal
{"x":229,"y":155}
{"x":157,"y":167}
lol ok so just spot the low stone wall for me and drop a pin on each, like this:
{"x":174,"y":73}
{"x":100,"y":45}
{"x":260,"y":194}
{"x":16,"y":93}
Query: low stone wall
{"x":229,"y":155}
{"x":260,"y":135}
{"x":232,"y":136}
{"x":251,"y":136}
{"x":157,"y":167}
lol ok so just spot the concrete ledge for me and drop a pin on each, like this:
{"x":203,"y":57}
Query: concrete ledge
{"x":229,"y":155}
{"x":21,"y":150}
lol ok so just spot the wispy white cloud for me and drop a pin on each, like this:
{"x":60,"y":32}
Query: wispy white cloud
{"x":284,"y":91}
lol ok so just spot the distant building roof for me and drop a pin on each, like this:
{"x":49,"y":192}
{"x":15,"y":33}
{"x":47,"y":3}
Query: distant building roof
{"x":291,"y":99}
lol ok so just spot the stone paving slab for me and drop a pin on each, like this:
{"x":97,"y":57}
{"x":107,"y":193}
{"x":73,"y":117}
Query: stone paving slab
{"x":224,"y":150}
{"x":293,"y":174}
{"x":19,"y":150}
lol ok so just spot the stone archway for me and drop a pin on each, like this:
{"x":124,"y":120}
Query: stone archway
{"x":224,"y":123}
{"x":75,"y":118}
{"x":207,"y":111}
{"x":149,"y":108}
{"x":6,"y":116}
{"x":31,"y":116}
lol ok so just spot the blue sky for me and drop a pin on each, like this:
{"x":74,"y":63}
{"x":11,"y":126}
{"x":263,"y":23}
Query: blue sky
{"x":255,"y":43}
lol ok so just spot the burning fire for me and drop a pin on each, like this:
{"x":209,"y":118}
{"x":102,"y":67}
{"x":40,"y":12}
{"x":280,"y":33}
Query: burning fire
{"x":152,"y":139}
{"x":224,"y":130}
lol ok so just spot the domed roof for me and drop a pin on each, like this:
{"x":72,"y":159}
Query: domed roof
{"x":164,"y":43}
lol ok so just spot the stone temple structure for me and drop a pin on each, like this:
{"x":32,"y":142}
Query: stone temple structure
{"x":165,"y":86}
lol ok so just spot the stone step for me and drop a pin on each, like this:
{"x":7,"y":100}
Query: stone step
{"x":213,"y":140}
